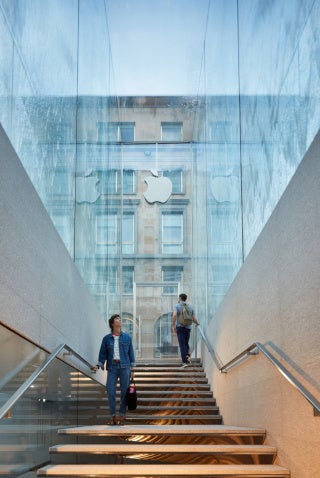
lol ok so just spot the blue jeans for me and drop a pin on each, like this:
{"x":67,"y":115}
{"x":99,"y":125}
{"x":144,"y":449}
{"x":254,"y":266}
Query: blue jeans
{"x":123,"y":374}
{"x":183,"y":334}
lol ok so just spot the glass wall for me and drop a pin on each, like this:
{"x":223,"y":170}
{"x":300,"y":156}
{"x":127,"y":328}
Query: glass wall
{"x":60,"y":396}
{"x":261,"y":90}
{"x":227,"y":148}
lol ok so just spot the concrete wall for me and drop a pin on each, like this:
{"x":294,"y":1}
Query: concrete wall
{"x":42,"y":295}
{"x":275,"y":300}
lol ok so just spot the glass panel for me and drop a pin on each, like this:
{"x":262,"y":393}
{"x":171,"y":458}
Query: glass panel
{"x":128,"y":182}
{"x":128,"y":233}
{"x":106,"y":234}
{"x":108,"y":181}
{"x":107,"y":131}
{"x":51,"y":402}
{"x":175,"y":177}
{"x":171,"y":274}
{"x":171,"y":131}
{"x":126,"y":132}
{"x":127,"y":279}
{"x":248,"y":130}
{"x":172,"y":233}
{"x":152,"y":332}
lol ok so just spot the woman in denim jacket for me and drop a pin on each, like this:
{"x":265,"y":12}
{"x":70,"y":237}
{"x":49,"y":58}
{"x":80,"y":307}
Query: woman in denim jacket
{"x":117,"y":351}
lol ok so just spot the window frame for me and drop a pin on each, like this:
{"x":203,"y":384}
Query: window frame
{"x":169,"y":136}
{"x":181,"y":242}
{"x":173,"y":289}
{"x":133,"y":232}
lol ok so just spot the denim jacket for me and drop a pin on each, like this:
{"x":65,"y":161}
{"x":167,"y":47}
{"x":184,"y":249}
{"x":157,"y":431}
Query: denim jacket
{"x":125,"y":349}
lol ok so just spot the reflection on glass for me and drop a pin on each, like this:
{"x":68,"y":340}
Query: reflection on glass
{"x":30,"y":426}
{"x":229,"y":147}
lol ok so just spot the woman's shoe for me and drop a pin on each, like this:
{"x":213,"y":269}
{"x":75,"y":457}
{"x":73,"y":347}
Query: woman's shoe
{"x":121,"y":420}
{"x":113,"y":421}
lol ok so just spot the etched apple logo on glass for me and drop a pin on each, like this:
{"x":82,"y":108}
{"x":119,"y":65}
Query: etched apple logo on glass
{"x":225,"y":188}
{"x":159,"y":188}
{"x":86,"y":188}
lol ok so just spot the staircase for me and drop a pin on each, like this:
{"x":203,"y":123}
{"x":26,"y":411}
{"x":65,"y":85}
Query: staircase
{"x":176,"y":431}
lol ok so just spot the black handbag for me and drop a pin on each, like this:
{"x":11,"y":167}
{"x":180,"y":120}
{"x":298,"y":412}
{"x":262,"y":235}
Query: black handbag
{"x":131,"y":396}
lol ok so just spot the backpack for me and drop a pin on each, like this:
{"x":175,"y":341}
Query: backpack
{"x":185,"y":316}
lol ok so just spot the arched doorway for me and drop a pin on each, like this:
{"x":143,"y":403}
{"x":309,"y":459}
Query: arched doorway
{"x":166,"y":344}
{"x":152,"y":311}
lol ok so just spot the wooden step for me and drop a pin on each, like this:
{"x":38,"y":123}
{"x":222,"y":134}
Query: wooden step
{"x":129,"y":449}
{"x":154,"y":382}
{"x":177,"y":393}
{"x":161,"y":363}
{"x":175,"y":386}
{"x":169,"y":378}
{"x":185,"y":372}
{"x":173,"y":453}
{"x":175,"y":419}
{"x":194,"y":408}
{"x":253,"y":435}
{"x":176,"y":401}
{"x":172,"y":470}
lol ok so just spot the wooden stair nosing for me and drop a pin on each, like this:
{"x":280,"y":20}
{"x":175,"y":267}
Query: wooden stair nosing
{"x":164,"y":364}
{"x":129,"y":430}
{"x":178,"y":407}
{"x":183,"y":373}
{"x":129,"y":448}
{"x":127,"y":470}
{"x":210,"y":400}
{"x":174,"y":417}
{"x":169,"y":379}
{"x":177,"y":385}
{"x":198,"y":393}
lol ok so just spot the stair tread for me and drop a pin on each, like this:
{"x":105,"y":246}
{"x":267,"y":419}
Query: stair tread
{"x":163,"y":470}
{"x":171,"y":394}
{"x":177,"y":407}
{"x":137,"y":416}
{"x":207,"y":430}
{"x":128,"y":448}
{"x":176,"y":379}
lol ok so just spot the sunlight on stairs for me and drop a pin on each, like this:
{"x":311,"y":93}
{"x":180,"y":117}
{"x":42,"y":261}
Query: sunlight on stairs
{"x":177,"y":430}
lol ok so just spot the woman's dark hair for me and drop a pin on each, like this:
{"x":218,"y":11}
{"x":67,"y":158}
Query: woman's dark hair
{"x":111,"y":320}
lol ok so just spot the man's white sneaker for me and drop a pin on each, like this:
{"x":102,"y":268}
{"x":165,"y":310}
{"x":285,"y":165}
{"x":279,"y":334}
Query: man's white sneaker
{"x":183,"y":365}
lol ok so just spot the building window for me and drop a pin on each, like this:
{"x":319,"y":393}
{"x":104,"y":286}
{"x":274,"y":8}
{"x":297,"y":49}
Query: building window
{"x":126,"y":132}
{"x":108,"y":181}
{"x":106,"y":233}
{"x":107,"y":132}
{"x":128,"y":181}
{"x":176,"y":179}
{"x":171,"y":131}
{"x":127,"y":279}
{"x":115,"y":131}
{"x":171,"y":274}
{"x":112,"y":280}
{"x":172,"y":233}
{"x":128,"y":233}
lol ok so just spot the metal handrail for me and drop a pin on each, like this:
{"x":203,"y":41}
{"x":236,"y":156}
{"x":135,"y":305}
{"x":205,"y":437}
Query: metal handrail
{"x":21,"y":390}
{"x":254,"y":349}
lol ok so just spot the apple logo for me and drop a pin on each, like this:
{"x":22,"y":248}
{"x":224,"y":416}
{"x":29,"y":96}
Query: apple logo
{"x":86,"y":188}
{"x":159,"y":188}
{"x":225,"y":188}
